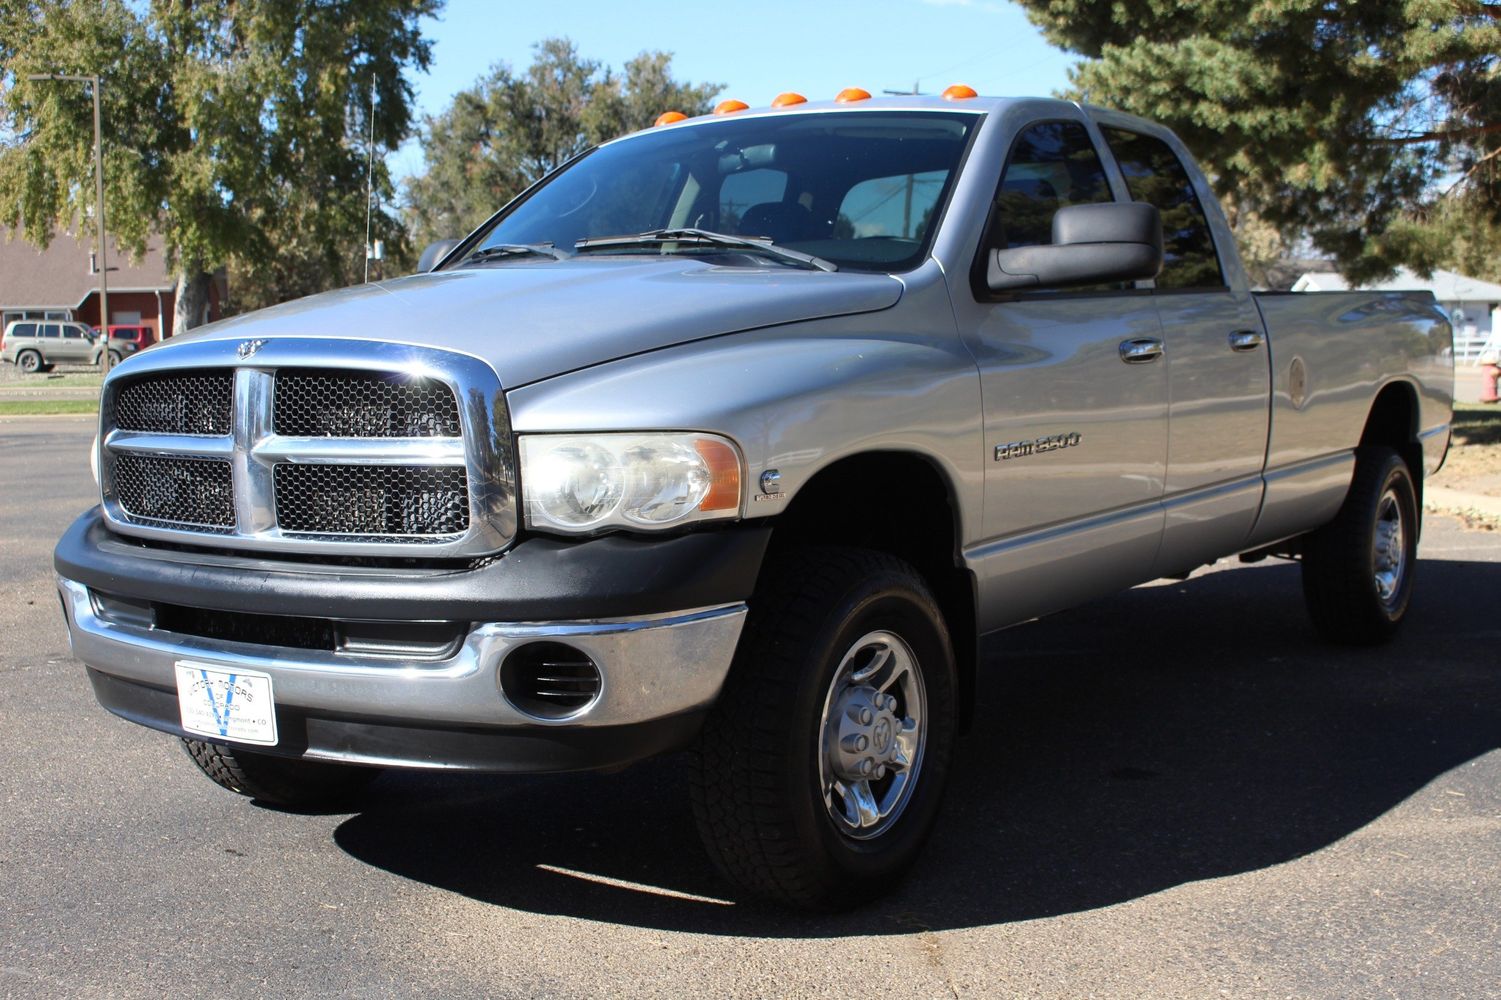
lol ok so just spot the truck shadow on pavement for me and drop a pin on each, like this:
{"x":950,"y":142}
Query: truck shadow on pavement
{"x":1170,"y":734}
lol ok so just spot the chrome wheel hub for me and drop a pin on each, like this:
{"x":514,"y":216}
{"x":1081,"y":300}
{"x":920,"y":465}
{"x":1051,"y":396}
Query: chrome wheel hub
{"x":872,"y":735}
{"x":1389,"y":558}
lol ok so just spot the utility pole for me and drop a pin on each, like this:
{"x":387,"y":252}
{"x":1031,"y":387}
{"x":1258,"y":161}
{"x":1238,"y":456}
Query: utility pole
{"x":101,"y":260}
{"x":369,"y":182}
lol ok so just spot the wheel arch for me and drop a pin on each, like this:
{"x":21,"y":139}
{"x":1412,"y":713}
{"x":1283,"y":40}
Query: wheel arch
{"x":1393,"y":422}
{"x":921,"y":526}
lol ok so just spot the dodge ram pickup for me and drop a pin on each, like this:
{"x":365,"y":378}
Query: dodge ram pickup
{"x":735,"y":435}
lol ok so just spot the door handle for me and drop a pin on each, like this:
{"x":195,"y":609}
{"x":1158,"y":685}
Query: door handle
{"x":1140,"y":352}
{"x":1245,"y":340}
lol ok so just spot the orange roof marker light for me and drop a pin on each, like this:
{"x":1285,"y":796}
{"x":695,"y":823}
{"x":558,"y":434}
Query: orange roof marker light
{"x":729,"y":107}
{"x":788,"y":99}
{"x":959,"y":92}
{"x":849,"y":94}
{"x":669,"y":117}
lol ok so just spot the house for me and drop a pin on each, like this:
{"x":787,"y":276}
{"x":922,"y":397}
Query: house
{"x":60,"y":283}
{"x":1474,"y":306}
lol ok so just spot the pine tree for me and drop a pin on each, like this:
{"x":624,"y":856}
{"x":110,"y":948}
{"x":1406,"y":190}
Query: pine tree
{"x":1358,"y":123}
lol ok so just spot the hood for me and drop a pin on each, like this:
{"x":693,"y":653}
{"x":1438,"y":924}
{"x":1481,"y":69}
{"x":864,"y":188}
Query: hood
{"x":531,"y":320}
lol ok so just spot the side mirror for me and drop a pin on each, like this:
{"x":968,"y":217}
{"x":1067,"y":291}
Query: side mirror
{"x":434,"y":253}
{"x":1092,"y":244}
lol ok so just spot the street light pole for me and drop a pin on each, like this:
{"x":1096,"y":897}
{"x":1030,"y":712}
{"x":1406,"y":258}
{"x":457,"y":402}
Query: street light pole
{"x":100,"y":258}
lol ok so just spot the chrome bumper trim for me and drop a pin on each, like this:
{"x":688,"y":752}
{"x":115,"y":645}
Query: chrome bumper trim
{"x":652,"y":667}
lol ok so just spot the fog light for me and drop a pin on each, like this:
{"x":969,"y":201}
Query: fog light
{"x":549,"y":680}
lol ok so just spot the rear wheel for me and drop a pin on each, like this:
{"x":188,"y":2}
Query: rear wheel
{"x":280,"y":781}
{"x":819,"y":773}
{"x":1358,"y":569}
{"x":29,"y":362}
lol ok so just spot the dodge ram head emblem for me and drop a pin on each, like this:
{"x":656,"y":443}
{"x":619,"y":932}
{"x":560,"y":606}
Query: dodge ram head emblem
{"x":249,"y":347}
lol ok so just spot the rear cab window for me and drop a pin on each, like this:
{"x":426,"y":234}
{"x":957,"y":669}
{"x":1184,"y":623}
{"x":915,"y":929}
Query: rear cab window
{"x":1155,"y":175}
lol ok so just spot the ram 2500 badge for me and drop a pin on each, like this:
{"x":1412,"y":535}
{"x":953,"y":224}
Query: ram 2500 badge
{"x":735,"y":435}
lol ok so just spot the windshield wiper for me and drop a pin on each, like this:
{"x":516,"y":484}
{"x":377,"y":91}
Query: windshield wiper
{"x":703,"y":237}
{"x":517,"y":250}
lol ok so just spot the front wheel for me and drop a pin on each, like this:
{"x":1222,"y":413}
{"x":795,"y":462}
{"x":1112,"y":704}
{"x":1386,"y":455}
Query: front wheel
{"x":279,"y":781}
{"x":1358,"y":569}
{"x":820,"y":770}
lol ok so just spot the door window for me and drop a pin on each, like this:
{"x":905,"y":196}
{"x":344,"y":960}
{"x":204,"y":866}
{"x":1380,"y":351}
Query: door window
{"x":72,"y":333}
{"x":1052,"y":165}
{"x":1155,"y":175}
{"x":50,"y":330}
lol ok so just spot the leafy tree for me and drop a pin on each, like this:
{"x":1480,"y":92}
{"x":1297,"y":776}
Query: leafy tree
{"x":1348,"y":121}
{"x":511,"y":129}
{"x":235,"y":128}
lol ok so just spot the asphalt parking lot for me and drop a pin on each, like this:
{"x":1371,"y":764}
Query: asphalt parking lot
{"x":1178,"y":792}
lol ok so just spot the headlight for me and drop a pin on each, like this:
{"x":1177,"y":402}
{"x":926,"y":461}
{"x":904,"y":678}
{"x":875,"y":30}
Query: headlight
{"x":94,"y":459}
{"x":586,"y":483}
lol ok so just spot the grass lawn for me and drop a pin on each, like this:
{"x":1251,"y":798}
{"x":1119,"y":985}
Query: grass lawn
{"x":46,"y":407}
{"x":66,"y":380}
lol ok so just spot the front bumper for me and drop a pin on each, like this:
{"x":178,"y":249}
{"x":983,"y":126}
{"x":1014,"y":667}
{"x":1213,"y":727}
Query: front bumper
{"x":660,"y":670}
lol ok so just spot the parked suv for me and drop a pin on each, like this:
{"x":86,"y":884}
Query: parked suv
{"x":124,"y":340}
{"x":37,"y":345}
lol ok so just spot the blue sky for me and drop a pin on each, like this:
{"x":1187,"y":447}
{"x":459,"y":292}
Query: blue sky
{"x":757,"y":49}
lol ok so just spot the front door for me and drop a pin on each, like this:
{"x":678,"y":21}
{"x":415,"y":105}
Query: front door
{"x":1075,"y":396}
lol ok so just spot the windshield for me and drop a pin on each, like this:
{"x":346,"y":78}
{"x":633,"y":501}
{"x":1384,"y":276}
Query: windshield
{"x":860,"y":189}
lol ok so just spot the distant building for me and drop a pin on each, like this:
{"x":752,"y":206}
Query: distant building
{"x":58,"y":283}
{"x":1474,"y":306}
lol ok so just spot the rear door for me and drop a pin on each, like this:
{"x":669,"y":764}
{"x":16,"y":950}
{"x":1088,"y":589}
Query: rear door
{"x":1218,"y":365}
{"x":1076,"y":436}
{"x":50,"y":340}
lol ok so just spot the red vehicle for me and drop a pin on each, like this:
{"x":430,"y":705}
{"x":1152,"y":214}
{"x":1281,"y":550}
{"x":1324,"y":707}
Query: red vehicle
{"x":124,"y":340}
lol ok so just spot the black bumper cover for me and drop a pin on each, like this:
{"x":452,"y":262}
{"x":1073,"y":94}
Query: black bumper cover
{"x":538,"y":579}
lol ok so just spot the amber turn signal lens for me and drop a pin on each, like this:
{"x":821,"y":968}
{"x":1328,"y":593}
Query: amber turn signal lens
{"x":724,"y":475}
{"x":959,"y":92}
{"x":849,"y":94}
{"x":668,"y":117}
{"x":788,"y":99}
{"x":729,"y":107}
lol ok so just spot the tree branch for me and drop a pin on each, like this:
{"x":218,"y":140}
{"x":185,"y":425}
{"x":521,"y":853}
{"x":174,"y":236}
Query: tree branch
{"x":1471,"y":172}
{"x":1438,"y":135}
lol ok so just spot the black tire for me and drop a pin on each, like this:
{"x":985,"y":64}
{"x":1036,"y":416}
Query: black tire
{"x":280,"y":781}
{"x":1348,"y":585}
{"x":29,"y":362}
{"x":115,"y":357}
{"x":756,"y":778}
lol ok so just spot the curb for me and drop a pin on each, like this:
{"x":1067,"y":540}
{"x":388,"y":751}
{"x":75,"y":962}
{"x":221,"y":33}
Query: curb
{"x":1459,"y":502}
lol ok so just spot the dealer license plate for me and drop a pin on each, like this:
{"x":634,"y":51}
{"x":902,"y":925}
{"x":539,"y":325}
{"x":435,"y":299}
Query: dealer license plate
{"x":226,"y":704}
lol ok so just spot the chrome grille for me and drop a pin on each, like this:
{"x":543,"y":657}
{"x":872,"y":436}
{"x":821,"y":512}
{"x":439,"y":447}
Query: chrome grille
{"x":325,"y":403}
{"x":340,"y":447}
{"x":372,"y":500}
{"x":197,"y":403}
{"x":188,"y":491}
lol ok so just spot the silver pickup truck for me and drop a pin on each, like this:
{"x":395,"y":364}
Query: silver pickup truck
{"x":736,"y":435}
